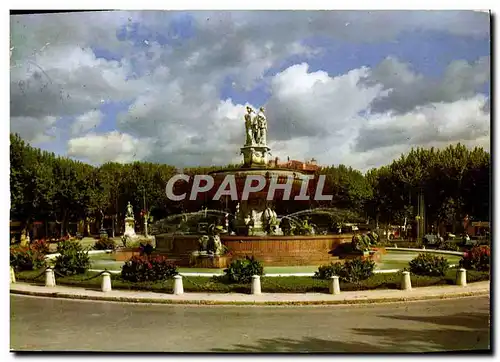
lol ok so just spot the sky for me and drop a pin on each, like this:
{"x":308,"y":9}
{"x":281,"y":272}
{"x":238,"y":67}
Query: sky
{"x":344,"y":87}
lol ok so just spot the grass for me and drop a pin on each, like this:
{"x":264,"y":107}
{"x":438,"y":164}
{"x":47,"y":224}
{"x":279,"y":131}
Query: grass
{"x":268,"y":285}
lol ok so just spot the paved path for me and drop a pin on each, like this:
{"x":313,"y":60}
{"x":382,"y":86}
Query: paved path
{"x":441,"y":325}
{"x":369,"y":296}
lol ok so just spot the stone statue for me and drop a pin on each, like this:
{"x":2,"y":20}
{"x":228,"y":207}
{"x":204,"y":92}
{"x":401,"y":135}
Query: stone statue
{"x":249,"y":127}
{"x":269,"y":220}
{"x":261,"y":123}
{"x":238,"y":214}
{"x":130,"y":211}
{"x":129,"y":222}
{"x":211,"y":243}
{"x":254,"y":216}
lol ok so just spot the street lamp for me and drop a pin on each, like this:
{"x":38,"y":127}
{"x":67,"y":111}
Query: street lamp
{"x":146,"y":216}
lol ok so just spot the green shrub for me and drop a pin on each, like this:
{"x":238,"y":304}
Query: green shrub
{"x":26,"y":258}
{"x":146,"y":269}
{"x":73,"y":259}
{"x":429,"y":264}
{"x":352,"y":271}
{"x":105,"y":243}
{"x":478,"y":258}
{"x":447,"y":245}
{"x":241,"y":271}
{"x":357,"y":269}
{"x":327,"y":271}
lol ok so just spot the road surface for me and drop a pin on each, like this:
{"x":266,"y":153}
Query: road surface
{"x":69,"y":325}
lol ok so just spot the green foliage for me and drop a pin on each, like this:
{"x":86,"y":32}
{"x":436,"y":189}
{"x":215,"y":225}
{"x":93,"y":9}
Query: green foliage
{"x":349,"y":187}
{"x":303,"y":228}
{"x":105,"y":243}
{"x":358,"y":269}
{"x":447,"y":245}
{"x":242,"y":270}
{"x":478,"y":258}
{"x":328,"y":271}
{"x":429,"y":264}
{"x":26,"y":258}
{"x":73,"y":259}
{"x":148,"y":269}
{"x":455,"y":181}
{"x":352,"y":271}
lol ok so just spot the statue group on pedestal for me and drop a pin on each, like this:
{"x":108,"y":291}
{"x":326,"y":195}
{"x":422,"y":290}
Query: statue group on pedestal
{"x":130,"y":211}
{"x":256,"y":127}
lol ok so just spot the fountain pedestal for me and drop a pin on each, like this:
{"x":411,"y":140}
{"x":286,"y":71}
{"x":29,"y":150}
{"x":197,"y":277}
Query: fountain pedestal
{"x":130,"y":227}
{"x":255,"y":155}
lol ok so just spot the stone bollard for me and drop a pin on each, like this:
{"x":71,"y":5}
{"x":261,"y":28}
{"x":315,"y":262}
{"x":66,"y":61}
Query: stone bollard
{"x":406,"y":281}
{"x":178,"y":287}
{"x":50,"y":279}
{"x":334,"y":286}
{"x":462,"y":277}
{"x":106,"y":282}
{"x":256,"y":284}
{"x":12,"y":275}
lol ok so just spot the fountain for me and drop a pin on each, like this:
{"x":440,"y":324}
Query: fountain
{"x":255,"y":228}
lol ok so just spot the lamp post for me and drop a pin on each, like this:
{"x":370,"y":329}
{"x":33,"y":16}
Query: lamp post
{"x":145,"y":212}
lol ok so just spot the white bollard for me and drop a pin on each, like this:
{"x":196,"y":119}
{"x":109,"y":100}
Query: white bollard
{"x":406,"y":281}
{"x":334,"y":286}
{"x":462,"y":277}
{"x":256,"y":284}
{"x":178,"y":287}
{"x":50,"y":279}
{"x":12,"y":275}
{"x":396,"y":246}
{"x":106,"y":282}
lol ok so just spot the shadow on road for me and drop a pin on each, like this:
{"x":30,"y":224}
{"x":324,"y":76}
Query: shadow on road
{"x":306,"y":345}
{"x":467,"y":332}
{"x":472,"y":320}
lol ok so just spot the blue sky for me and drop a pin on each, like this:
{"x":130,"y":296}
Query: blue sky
{"x":147,"y":85}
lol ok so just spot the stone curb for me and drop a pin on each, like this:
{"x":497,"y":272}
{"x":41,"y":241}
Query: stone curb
{"x":104,"y":298}
{"x":434,"y":251}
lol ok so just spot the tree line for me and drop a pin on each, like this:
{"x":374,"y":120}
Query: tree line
{"x":453,"y":182}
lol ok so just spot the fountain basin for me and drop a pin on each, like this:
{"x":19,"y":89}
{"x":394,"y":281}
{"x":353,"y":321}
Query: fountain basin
{"x":271,"y":250}
{"x":125,"y":254}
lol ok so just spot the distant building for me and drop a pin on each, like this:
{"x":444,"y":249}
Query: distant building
{"x":310,"y":166}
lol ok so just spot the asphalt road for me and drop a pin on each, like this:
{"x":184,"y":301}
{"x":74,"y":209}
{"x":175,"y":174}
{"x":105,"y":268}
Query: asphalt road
{"x":67,"y":325}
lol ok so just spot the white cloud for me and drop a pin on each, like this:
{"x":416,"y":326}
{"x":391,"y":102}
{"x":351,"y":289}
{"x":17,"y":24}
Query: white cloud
{"x":176,"y":114}
{"x":311,"y":104}
{"x":86,"y":122}
{"x":112,"y":146}
{"x":34,"y":130}
{"x":407,"y":89}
